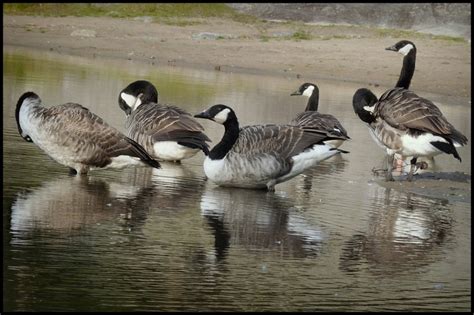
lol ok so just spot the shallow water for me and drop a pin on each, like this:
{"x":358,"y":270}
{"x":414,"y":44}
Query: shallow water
{"x":139,"y":239}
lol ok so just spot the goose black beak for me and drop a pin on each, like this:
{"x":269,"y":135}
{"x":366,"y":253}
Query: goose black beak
{"x":295,"y":93}
{"x":125,"y":107}
{"x":392,"y":48}
{"x":204,"y":114}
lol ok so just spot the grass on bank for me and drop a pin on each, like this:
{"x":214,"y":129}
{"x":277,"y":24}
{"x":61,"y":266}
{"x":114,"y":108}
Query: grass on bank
{"x":185,"y":14}
{"x":161,"y":12}
{"x":397,"y":33}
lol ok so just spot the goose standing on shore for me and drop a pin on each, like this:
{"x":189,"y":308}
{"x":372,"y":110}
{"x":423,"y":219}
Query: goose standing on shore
{"x":75,"y":137}
{"x":167,"y":132}
{"x":311,"y":118}
{"x":404,"y":123}
{"x":261,"y":156}
{"x":408,"y":50}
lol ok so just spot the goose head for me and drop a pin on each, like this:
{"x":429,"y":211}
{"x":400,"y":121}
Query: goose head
{"x":311,"y":91}
{"x":219,"y":113}
{"x":27,"y":98}
{"x":305,"y":89}
{"x":363,"y":103}
{"x":135,"y":94}
{"x":403,"y":47}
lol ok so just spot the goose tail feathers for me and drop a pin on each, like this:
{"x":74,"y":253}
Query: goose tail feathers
{"x":142,"y":154}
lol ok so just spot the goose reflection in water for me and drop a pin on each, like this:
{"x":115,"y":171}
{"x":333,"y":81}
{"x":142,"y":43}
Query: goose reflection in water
{"x":69,"y":203}
{"x":330,"y":168}
{"x":405,"y":231}
{"x":257,"y":220}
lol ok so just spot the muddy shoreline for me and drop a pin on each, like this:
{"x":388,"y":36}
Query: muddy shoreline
{"x":354,"y":54}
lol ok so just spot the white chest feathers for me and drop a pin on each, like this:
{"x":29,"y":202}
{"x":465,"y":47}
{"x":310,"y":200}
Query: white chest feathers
{"x":240,"y":171}
{"x":263,"y":169}
{"x":172,"y":151}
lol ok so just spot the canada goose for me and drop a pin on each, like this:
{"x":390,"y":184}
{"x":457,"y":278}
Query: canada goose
{"x":408,"y":50}
{"x":261,"y":156}
{"x":167,"y":132}
{"x":311,"y":118}
{"x":404,"y":123}
{"x":75,"y":137}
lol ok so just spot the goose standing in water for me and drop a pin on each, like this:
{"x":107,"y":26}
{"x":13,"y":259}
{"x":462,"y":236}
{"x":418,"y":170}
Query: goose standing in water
{"x":313,"y":119}
{"x":75,"y":137}
{"x":261,"y":156}
{"x":408,"y":50}
{"x":167,"y":132}
{"x":404,"y":123}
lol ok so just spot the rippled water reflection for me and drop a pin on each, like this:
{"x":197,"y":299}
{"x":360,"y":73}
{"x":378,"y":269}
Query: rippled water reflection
{"x":141,"y":239}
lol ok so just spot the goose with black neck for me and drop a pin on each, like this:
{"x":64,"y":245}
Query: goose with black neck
{"x":313,"y":119}
{"x":261,"y":156}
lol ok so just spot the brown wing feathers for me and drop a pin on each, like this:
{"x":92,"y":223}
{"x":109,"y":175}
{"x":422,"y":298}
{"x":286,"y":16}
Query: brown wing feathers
{"x":403,"y":109}
{"x":98,"y":141}
{"x":284,"y":140}
{"x":320,"y":122}
{"x":162,"y":123}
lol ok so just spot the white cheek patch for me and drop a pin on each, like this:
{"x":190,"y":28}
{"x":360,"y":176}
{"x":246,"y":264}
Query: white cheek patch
{"x":405,"y":49}
{"x":221,"y":117}
{"x":129,"y":99}
{"x":137,"y":102}
{"x":309,"y":91}
{"x":369,"y":108}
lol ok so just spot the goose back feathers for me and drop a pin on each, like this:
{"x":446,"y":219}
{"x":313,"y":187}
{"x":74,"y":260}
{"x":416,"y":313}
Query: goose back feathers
{"x":74,"y":136}
{"x":312,"y":119}
{"x":261,"y":156}
{"x":403,"y":123}
{"x":410,"y":125}
{"x":168,"y":132}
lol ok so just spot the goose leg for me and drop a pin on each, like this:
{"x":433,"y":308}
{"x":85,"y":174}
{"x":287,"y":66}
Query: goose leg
{"x":412,"y":169}
{"x":388,"y":175}
{"x":271,"y":185}
{"x":376,"y":171}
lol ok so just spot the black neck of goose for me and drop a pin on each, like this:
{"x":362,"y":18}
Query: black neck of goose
{"x":408,"y":70}
{"x":17,"y":117}
{"x":313,"y":101}
{"x":230,"y":136}
{"x":17,"y":112}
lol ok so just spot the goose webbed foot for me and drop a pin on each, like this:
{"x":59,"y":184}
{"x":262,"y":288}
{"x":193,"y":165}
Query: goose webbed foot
{"x":378,"y":171}
{"x":385,"y":169}
{"x":271,"y":186}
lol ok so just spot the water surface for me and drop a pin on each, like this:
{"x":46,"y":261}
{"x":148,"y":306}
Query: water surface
{"x":139,"y":239}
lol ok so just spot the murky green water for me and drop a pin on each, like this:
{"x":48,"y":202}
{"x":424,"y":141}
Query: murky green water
{"x":142,"y":240}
